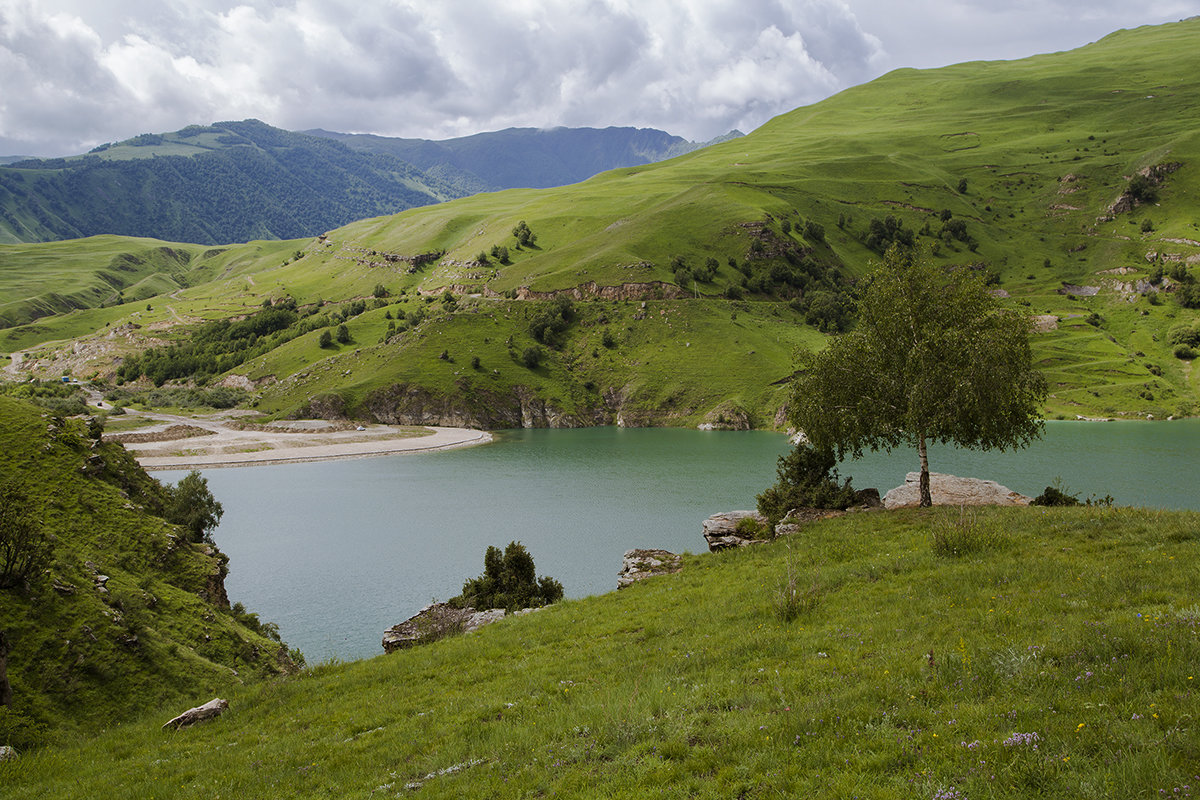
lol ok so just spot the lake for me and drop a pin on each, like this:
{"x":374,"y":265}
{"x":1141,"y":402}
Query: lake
{"x":336,"y":552}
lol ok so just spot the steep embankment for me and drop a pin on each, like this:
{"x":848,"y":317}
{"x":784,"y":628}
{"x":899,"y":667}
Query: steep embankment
{"x":124,"y":616}
{"x":1056,"y":660}
{"x":1070,"y":180}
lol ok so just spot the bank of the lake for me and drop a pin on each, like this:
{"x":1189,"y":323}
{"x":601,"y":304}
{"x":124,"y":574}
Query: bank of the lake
{"x":336,"y":552}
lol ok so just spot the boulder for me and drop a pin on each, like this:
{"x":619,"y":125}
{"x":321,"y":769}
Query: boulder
{"x":721,"y":530}
{"x":951,"y":490}
{"x":637,"y":565}
{"x":210,"y":710}
{"x":434,"y":622}
{"x":8,"y":753}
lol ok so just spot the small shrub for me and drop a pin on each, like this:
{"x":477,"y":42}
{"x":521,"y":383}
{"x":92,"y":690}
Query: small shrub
{"x":806,"y":479}
{"x":532,"y":357}
{"x":751,"y":528}
{"x":25,"y":549}
{"x":343,"y":334}
{"x":508,"y":581}
{"x":797,"y":597}
{"x":1055,"y":495}
{"x":474,"y":362}
{"x":964,"y":536}
{"x":193,"y":506}
{"x":1184,"y":352}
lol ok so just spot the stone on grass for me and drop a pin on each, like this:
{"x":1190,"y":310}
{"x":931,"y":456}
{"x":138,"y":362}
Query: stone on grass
{"x":434,"y":622}
{"x":951,"y":490}
{"x":721,"y":530}
{"x":637,"y":565}
{"x":210,"y":710}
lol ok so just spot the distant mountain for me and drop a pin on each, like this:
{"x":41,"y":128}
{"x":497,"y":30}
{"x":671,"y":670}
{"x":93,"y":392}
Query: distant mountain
{"x":227,"y":182}
{"x":527,"y":158}
{"x":238,"y":181}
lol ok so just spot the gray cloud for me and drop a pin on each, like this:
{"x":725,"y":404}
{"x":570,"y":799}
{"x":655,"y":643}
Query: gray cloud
{"x":80,"y":72}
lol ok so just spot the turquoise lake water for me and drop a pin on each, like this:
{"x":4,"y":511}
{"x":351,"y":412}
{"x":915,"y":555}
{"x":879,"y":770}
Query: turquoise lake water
{"x":336,"y":552}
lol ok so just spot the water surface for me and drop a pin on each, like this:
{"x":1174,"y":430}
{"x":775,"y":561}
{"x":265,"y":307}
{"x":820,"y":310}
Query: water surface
{"x":336,"y":552}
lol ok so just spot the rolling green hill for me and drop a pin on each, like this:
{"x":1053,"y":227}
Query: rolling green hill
{"x":1070,"y":180}
{"x":129,"y":617}
{"x":1057,"y":661}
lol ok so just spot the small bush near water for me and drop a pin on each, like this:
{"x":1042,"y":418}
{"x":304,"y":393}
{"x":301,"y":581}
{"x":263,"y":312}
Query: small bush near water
{"x":508,"y":581}
{"x":807,"y":479}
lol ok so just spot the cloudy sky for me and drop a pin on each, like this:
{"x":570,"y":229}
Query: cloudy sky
{"x":76,"y":73}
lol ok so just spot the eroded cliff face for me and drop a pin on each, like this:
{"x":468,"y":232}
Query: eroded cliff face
{"x":407,"y":404}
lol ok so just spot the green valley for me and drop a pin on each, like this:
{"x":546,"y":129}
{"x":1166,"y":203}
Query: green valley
{"x":1068,"y":180}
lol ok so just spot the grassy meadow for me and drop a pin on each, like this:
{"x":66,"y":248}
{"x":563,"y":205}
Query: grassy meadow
{"x":1023,"y":160}
{"x":997,"y":653}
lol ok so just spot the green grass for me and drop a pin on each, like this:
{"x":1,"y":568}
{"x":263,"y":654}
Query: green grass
{"x":83,"y":658}
{"x":1045,"y":144}
{"x":904,"y":674}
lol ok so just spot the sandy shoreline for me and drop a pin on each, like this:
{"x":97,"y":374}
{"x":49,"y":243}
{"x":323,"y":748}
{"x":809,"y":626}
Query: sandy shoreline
{"x":223,"y":441}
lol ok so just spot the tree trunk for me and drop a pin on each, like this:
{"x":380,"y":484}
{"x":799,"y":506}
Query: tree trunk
{"x":926,"y":498}
{"x":6,"y":694}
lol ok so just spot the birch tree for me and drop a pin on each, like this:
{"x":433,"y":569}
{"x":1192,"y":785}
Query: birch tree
{"x":933,"y":358}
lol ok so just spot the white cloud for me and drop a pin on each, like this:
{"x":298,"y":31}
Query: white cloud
{"x":80,"y":72}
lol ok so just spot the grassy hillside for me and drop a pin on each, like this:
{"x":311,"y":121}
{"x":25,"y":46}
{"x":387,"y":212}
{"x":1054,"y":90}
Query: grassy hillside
{"x":130,"y":617}
{"x":1057,"y":661}
{"x":1068,"y":179}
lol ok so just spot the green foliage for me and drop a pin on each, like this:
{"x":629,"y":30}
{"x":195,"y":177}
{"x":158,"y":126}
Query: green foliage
{"x":343,"y":334}
{"x":179,"y":397}
{"x":933,"y":357}
{"x":964,"y":535}
{"x":1055,"y":495}
{"x":217,"y":347}
{"x":814,"y":232}
{"x":325,"y":339}
{"x":83,"y":659}
{"x":380,"y":291}
{"x":25,"y":549}
{"x":1142,"y":189}
{"x":551,"y":321}
{"x":508,"y":581}
{"x":525,"y":237}
{"x":193,"y":506}
{"x":532,"y":357}
{"x":807,"y":478}
{"x":751,"y":528}
{"x":797,"y":597}
{"x":250,"y":182}
{"x":1185,"y":333}
{"x":883,"y":234}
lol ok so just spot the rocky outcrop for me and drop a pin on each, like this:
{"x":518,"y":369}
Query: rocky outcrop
{"x":473,"y":407}
{"x":210,"y":710}
{"x":730,"y":529}
{"x":590,"y":290}
{"x":436,"y":621}
{"x":8,"y":753}
{"x":951,"y":490}
{"x":637,"y":565}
